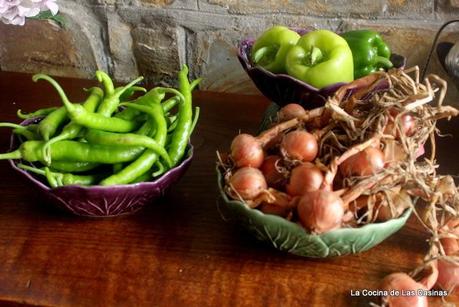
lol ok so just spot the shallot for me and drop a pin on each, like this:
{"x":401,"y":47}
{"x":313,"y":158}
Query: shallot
{"x":304,"y":178}
{"x":448,"y":270}
{"x":248,"y":183}
{"x":246,"y":150}
{"x":320,"y":211}
{"x":365,"y":163}
{"x":407,"y":289}
{"x":291,"y":110}
{"x":270,"y":170}
{"x":300,"y":145}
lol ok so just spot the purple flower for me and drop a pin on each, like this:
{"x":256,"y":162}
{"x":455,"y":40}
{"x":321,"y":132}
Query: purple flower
{"x":15,"y":11}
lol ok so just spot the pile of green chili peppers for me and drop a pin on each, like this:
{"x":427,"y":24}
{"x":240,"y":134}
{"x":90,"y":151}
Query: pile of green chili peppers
{"x":110,"y":138}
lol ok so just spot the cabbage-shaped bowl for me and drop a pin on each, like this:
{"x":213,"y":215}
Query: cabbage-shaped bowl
{"x":104,"y":201}
{"x":282,"y":88}
{"x":288,"y":236}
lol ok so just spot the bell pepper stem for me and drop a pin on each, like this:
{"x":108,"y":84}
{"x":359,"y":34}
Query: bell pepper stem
{"x":13,"y":155}
{"x":384,"y":62}
{"x":315,"y":56}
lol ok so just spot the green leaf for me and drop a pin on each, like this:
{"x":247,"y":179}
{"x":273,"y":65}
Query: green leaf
{"x":47,"y":15}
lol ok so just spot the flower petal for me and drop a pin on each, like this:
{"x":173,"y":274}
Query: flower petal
{"x":53,"y":7}
{"x":18,"y":21}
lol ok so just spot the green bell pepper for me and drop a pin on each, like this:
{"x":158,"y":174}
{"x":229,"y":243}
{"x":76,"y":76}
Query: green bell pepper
{"x":321,"y":58}
{"x":271,"y":47}
{"x":369,"y":51}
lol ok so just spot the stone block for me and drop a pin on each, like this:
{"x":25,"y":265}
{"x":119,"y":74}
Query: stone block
{"x":159,"y":52}
{"x":176,"y":4}
{"x":316,"y":8}
{"x":124,"y":65}
{"x":42,"y":46}
{"x":409,"y":9}
{"x":214,"y":57}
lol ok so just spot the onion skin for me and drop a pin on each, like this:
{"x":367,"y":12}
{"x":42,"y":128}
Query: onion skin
{"x":408,"y":124}
{"x":300,"y":145}
{"x":290,"y":111}
{"x":273,"y":177}
{"x":407,"y":121}
{"x":246,"y":150}
{"x":248,"y":182}
{"x":450,"y":245}
{"x":448,"y":275}
{"x":304,"y":178}
{"x":282,"y":206}
{"x":365,"y":163}
{"x":448,"y":272}
{"x":403,"y":282}
{"x":421,"y":151}
{"x":320,"y":211}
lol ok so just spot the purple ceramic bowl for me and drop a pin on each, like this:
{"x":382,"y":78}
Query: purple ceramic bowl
{"x":283,"y":89}
{"x":105,"y":201}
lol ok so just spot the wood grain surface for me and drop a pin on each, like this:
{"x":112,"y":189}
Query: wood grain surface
{"x":178,"y":251}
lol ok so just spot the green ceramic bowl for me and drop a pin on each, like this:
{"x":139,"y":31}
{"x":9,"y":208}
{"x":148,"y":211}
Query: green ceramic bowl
{"x":291,"y":237}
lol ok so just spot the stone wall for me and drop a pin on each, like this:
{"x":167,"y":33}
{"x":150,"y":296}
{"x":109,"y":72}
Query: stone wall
{"x":155,"y":37}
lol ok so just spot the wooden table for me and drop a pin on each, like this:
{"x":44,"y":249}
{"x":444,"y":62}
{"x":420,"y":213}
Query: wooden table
{"x":177,"y":252}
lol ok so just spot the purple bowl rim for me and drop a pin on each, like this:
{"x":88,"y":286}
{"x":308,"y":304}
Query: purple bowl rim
{"x":189,"y":155}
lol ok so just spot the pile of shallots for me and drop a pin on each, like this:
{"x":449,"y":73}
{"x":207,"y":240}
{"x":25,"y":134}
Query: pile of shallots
{"x":358,"y":159}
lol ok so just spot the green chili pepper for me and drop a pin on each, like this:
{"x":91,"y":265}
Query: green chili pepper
{"x":52,"y":180}
{"x":72,"y":166}
{"x":369,"y":51}
{"x":37,"y":113}
{"x":56,"y":179}
{"x":117,"y":167}
{"x":197,"y":111}
{"x":127,"y":139}
{"x":270,"y":49}
{"x":149,"y":157}
{"x":112,"y":97}
{"x":321,"y":58}
{"x":106,"y":81}
{"x":169,"y":104}
{"x":181,"y":134}
{"x":21,"y":130}
{"x":82,"y":117}
{"x":145,"y":129}
{"x":130,"y":91}
{"x":32,"y":151}
{"x":172,"y":123}
{"x":161,"y":169}
{"x":153,"y":95}
{"x":49,"y":125}
{"x":72,"y":129}
{"x":142,"y":178}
